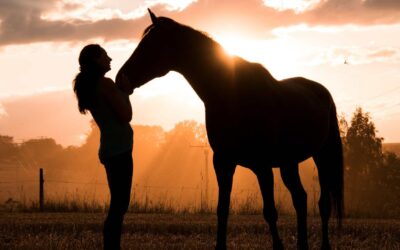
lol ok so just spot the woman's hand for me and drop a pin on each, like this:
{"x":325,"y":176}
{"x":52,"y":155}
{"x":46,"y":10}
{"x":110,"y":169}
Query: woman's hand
{"x":124,"y":84}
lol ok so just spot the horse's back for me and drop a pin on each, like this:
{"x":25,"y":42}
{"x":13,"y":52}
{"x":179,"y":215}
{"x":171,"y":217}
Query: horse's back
{"x":292,"y":108}
{"x":303,"y":100}
{"x":286,"y":120}
{"x":305,"y":90}
{"x":306,"y":111}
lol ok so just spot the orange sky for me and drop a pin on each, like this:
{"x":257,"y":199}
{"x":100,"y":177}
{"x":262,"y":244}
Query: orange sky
{"x":40,"y":41}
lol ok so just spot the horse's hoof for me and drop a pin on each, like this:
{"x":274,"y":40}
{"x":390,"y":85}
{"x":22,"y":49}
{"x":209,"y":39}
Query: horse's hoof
{"x":220,"y":247}
{"x":325,"y":246}
{"x":277,"y":245}
{"x":303,"y":246}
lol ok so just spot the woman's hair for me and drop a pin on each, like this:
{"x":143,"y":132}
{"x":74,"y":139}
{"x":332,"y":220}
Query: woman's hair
{"x":86,"y":80}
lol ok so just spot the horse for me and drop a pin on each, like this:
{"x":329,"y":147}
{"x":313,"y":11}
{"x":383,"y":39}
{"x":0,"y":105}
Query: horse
{"x":252,"y":120}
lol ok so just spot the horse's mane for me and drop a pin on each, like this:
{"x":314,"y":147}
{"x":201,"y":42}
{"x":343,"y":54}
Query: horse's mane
{"x":199,"y":37}
{"x":204,"y":42}
{"x":147,"y":30}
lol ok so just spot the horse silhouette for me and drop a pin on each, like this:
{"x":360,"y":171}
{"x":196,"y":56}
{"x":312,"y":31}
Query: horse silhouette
{"x":252,"y":120}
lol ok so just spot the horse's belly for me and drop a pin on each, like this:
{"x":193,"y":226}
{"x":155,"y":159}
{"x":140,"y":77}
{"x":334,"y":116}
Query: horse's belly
{"x":273,"y":154}
{"x":252,"y":149}
{"x":267,"y":136}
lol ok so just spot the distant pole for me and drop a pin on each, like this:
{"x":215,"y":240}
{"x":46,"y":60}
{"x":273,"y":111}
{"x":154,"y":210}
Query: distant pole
{"x":204,"y":189}
{"x":41,"y":190}
{"x":206,"y":177}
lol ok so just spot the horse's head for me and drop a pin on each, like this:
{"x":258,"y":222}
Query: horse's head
{"x":155,"y":54}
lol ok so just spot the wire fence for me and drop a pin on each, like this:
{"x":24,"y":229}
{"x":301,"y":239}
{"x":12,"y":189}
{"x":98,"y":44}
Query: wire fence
{"x":17,"y":188}
{"x":178,"y":196}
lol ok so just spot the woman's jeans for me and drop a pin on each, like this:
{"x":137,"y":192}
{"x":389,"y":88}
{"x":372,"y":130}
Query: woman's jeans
{"x":119,"y":170}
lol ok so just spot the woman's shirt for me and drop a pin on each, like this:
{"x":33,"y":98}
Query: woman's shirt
{"x":116,"y":136}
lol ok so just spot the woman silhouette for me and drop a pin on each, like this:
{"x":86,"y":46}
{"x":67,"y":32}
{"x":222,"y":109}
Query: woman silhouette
{"x":111,"y":109}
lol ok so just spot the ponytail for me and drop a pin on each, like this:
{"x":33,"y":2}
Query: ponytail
{"x":87,"y":79}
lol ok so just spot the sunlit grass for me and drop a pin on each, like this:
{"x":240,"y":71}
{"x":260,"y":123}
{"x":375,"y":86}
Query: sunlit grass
{"x":182,"y":231}
{"x":75,"y":222}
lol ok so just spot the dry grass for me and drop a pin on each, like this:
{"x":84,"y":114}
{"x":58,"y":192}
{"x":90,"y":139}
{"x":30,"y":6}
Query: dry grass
{"x":181,"y":231}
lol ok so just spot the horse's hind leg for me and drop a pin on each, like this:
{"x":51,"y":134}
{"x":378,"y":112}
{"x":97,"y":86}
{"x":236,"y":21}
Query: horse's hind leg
{"x":291,"y":179}
{"x":224,"y":170}
{"x":266,"y":181}
{"x":322,"y":162}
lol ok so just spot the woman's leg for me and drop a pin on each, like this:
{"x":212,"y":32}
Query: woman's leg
{"x":119,"y":176}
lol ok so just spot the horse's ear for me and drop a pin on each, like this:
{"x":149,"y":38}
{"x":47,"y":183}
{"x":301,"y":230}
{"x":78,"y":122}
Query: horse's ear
{"x":153,"y":17}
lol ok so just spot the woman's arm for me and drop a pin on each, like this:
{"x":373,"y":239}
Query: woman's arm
{"x":118,"y":100}
{"x":123,"y":84}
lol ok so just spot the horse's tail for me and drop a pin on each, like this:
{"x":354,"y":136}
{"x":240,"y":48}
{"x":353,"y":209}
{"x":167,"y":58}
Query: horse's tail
{"x":336,"y":182}
{"x":331,"y":167}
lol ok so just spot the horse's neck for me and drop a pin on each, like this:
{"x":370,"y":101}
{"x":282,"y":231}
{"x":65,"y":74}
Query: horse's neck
{"x":215,"y":77}
{"x":209,"y":73}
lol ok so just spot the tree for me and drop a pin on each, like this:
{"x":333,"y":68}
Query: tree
{"x":363,"y":157}
{"x":41,"y":152}
{"x":364,"y":149}
{"x":389,"y":184}
{"x":8,"y":149}
{"x":177,"y":162}
{"x":372,"y":177}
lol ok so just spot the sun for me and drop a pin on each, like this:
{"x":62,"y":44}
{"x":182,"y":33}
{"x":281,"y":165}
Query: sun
{"x":249,"y":49}
{"x":234,"y":45}
{"x":277,"y":55}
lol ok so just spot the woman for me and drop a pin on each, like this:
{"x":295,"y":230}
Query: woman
{"x":110,"y":107}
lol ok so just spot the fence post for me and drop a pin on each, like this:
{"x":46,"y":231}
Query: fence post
{"x":41,"y":190}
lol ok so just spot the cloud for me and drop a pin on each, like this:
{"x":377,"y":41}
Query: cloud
{"x":383,"y":53}
{"x":361,"y":12}
{"x":357,"y":56}
{"x":171,"y":4}
{"x":24,"y":21}
{"x":382,"y":4}
{"x":297,"y":5}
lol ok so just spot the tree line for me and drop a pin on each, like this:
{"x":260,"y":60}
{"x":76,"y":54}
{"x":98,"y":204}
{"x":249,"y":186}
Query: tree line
{"x":372,"y":176}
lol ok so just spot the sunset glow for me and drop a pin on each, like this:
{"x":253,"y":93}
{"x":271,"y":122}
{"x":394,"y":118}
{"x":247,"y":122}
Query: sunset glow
{"x":297,"y":128}
{"x":235,"y":45}
{"x":296,"y":5}
{"x":355,"y":57}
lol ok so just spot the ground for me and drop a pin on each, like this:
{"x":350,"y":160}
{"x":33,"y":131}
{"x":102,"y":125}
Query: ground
{"x":182,"y":231}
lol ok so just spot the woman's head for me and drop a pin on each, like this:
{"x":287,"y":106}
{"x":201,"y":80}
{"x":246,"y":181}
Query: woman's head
{"x":94,"y":59}
{"x":94,"y":63}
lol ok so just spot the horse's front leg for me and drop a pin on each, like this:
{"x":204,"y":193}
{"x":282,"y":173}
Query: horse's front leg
{"x":224,"y":170}
{"x":291,"y":179}
{"x":265,"y":178}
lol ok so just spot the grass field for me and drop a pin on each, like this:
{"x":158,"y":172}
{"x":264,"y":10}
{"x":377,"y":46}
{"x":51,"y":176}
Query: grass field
{"x":181,"y":231}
